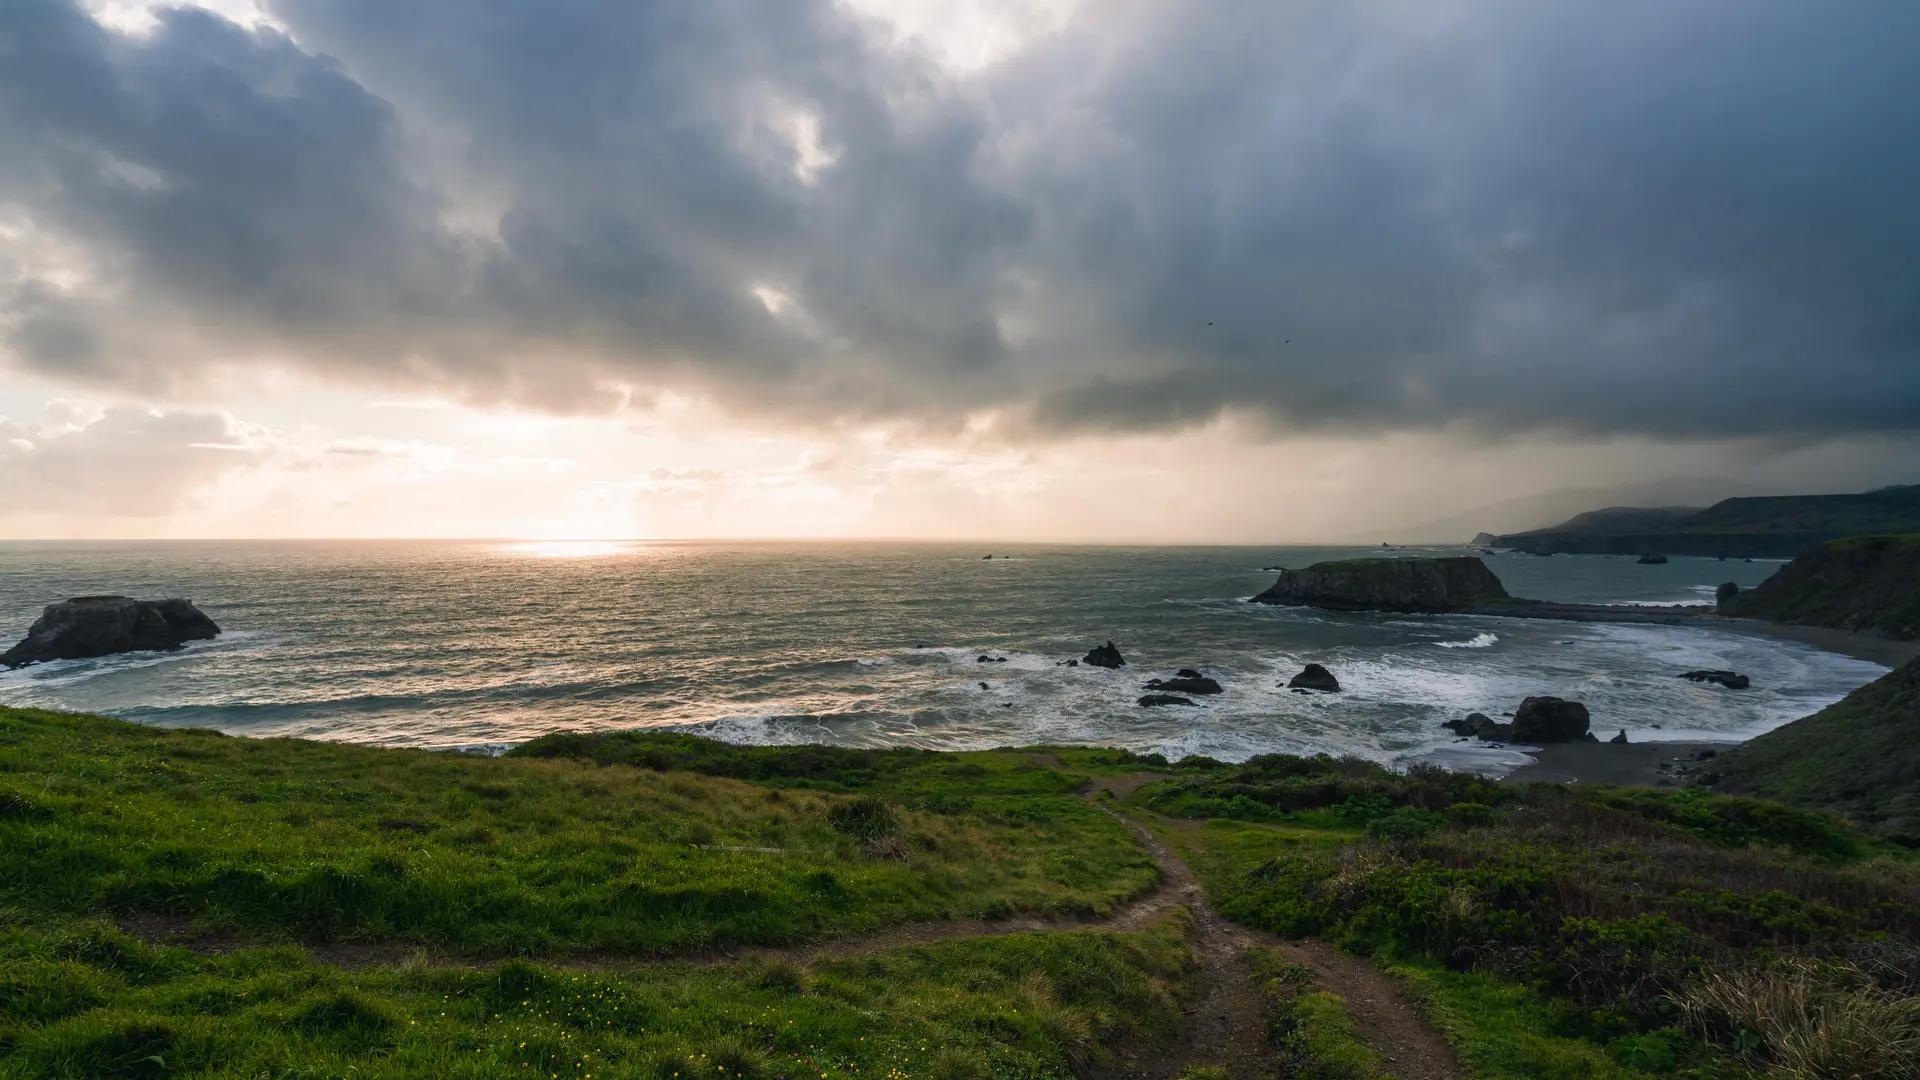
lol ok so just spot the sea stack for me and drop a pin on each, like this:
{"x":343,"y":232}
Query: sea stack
{"x":1106,"y":656}
{"x":88,"y":626}
{"x":1550,"y":720}
{"x":1454,"y":583}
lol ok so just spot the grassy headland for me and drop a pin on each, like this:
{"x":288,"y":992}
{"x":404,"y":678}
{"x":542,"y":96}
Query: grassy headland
{"x":1863,"y":584}
{"x":182,"y":904}
{"x":1859,"y":757}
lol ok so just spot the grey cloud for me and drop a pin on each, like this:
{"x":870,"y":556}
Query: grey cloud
{"x":125,"y":462}
{"x":1627,"y":218}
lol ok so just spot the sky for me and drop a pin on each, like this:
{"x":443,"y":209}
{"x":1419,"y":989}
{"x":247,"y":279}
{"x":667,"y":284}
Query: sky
{"x":1260,"y":271}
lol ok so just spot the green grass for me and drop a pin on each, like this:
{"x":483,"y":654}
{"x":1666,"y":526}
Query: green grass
{"x":1551,"y":932}
{"x":1505,"y":1032}
{"x":1859,"y":757}
{"x":1561,"y":932}
{"x":1316,"y":1036}
{"x":303,"y":841}
{"x":90,"y":1004}
{"x":1868,"y":584}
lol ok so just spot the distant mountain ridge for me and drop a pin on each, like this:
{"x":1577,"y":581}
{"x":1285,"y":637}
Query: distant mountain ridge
{"x":1747,"y":526}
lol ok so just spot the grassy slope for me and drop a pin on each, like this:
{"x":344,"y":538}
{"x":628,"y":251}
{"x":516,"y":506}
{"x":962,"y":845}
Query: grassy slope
{"x":1565,"y":933}
{"x":88,"y":1004}
{"x":1859,"y":757}
{"x":1868,"y":584}
{"x":1553,"y":933}
{"x":290,"y":840}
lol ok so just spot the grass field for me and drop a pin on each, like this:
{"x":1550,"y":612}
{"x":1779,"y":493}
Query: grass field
{"x":1583,"y":933}
{"x":182,"y":904}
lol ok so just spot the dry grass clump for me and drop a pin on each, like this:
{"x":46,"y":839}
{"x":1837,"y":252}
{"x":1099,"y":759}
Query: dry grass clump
{"x":1809,"y":1024}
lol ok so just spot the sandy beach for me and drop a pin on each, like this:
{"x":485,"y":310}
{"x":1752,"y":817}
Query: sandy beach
{"x":1607,"y":763}
{"x":1660,"y":764}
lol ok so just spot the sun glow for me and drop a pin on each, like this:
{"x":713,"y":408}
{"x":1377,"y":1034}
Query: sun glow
{"x":568,"y":549}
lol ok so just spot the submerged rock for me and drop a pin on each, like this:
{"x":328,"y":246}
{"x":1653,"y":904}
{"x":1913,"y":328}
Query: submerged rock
{"x":1652,"y":558}
{"x":88,"y":626}
{"x":1314,"y":677}
{"x":1106,"y":656}
{"x":1185,"y":684}
{"x":1546,"y":719}
{"x":984,"y":659}
{"x":1732,"y":680}
{"x":1481,"y":726}
{"x":1151,"y":700}
{"x":1454,"y":583}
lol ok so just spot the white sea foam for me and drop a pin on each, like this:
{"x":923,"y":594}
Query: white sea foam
{"x":1477,"y":641}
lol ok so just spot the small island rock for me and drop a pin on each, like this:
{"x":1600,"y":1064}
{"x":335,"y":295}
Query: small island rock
{"x":1652,"y":558}
{"x":1106,"y":656}
{"x":1315,"y":677}
{"x":1412,"y":585}
{"x":88,"y":626}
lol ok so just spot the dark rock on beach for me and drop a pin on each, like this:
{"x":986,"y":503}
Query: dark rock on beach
{"x":1106,"y":656}
{"x":1151,"y":700}
{"x":1732,"y":680}
{"x":1550,"y":720}
{"x":1314,"y":677}
{"x":1620,"y":739}
{"x":89,"y":626}
{"x":1414,"y":585}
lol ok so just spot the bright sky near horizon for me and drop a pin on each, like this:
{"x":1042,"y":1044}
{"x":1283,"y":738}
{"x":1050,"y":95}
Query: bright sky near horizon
{"x":1035,"y":269}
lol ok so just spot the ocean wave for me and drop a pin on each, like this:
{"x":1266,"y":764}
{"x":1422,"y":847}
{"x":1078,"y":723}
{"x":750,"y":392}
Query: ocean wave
{"x":1477,"y":641}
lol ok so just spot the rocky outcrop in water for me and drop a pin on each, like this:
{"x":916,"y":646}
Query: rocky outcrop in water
{"x":1732,"y":680}
{"x":87,"y":626}
{"x":1153,"y":700}
{"x":1454,"y":583}
{"x":1480,"y":726}
{"x":1550,"y":720}
{"x":1186,"y":681}
{"x":1726,"y":597}
{"x":1314,"y":677}
{"x":1106,"y":656}
{"x":1651,"y":558}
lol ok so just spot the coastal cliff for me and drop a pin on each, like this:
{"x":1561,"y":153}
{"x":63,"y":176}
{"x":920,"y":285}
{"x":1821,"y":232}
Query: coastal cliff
{"x":1864,"y":584}
{"x":1412,"y":585}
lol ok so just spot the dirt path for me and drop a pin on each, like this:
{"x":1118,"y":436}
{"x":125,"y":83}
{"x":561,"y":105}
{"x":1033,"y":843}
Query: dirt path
{"x":1382,"y":1012}
{"x":1225,"y":1026}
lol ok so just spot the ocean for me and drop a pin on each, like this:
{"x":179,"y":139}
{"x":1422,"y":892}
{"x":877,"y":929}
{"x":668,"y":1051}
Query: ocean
{"x":478,"y":645}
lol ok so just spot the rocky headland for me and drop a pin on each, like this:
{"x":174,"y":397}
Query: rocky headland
{"x":1445,"y":585}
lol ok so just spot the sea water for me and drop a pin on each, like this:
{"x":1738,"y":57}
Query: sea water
{"x":479,"y":645}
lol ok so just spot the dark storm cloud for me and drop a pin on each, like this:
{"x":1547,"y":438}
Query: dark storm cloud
{"x":1638,"y":217}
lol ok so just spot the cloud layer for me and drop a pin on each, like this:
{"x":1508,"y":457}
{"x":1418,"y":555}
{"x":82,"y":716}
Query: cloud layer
{"x":1627,"y":218}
